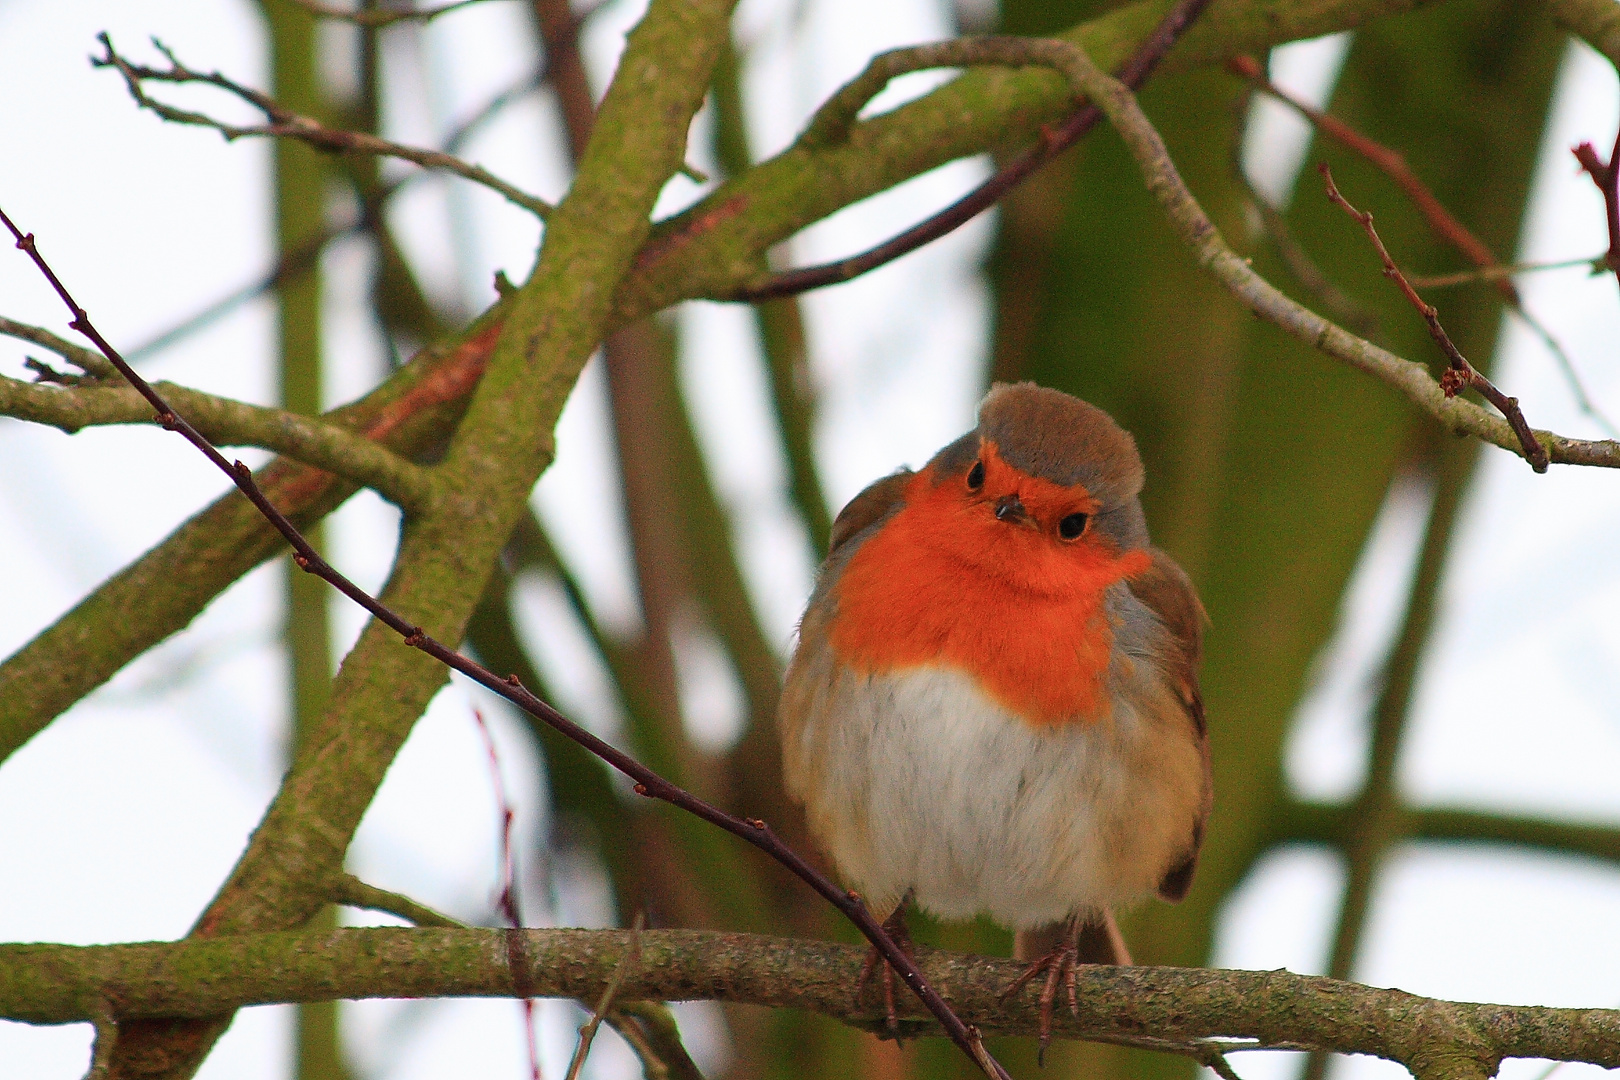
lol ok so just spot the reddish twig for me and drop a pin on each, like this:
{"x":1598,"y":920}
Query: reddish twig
{"x":1053,"y":141}
{"x":1459,"y":372}
{"x":1607,"y":178}
{"x":1391,"y":163}
{"x":507,"y":899}
{"x":1440,"y":220}
{"x":647,"y":782}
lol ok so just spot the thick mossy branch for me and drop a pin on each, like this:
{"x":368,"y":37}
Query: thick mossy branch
{"x":1181,"y":1010}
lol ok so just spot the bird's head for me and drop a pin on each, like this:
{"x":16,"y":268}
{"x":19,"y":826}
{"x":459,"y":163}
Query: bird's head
{"x":1042,"y":494}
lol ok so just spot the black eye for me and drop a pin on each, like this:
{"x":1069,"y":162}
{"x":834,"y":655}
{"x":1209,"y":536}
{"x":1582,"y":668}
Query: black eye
{"x":1072,"y":526}
{"x":976,"y":476}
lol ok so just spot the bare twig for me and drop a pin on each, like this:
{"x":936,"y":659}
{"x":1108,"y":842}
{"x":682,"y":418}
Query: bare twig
{"x":647,"y":782}
{"x":587,"y":1032}
{"x":1392,"y":163}
{"x":833,"y":120}
{"x":1440,"y":220}
{"x":650,"y":1029}
{"x":92,"y":363}
{"x":286,"y":124}
{"x":1298,"y":261}
{"x":1606,"y":175}
{"x":350,"y":891}
{"x":1195,"y":228}
{"x":294,"y":263}
{"x":1595,"y":263}
{"x":507,"y":897}
{"x":1459,"y":372}
{"x":372,"y":18}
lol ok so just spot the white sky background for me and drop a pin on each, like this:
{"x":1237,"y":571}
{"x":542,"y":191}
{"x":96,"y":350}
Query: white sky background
{"x":122,"y":818}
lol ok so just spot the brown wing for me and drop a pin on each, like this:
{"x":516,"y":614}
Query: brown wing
{"x":1165,"y":588}
{"x":868,"y":508}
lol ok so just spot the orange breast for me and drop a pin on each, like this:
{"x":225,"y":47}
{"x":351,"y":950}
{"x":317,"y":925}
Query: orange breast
{"x":945,"y":583}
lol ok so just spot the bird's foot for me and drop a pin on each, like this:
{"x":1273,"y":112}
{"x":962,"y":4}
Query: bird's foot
{"x":1059,"y":966}
{"x":895,"y":927}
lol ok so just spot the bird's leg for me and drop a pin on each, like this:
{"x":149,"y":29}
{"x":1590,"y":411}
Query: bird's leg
{"x":1083,"y":940}
{"x":895,"y":927}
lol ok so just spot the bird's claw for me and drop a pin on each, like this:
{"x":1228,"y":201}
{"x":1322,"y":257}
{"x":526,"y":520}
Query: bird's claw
{"x":895,"y":927}
{"x":1060,"y":965}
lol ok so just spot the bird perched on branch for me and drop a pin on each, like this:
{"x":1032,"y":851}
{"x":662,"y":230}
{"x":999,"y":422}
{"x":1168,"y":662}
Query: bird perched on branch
{"x":993,"y":706}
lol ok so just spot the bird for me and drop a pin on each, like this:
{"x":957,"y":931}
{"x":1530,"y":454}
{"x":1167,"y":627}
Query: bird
{"x":993,"y":704}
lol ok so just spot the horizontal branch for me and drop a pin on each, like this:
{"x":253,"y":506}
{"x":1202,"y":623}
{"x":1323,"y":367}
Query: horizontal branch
{"x":373,"y":18}
{"x":1180,"y":1010}
{"x":1322,"y":823}
{"x":226,"y":422}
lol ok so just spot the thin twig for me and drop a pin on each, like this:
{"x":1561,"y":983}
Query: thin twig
{"x":650,"y":1029}
{"x":507,"y":897}
{"x":1274,"y":226}
{"x":1268,"y":302}
{"x":587,"y":1032}
{"x":1459,"y":372}
{"x":1606,"y":175}
{"x":373,"y":18}
{"x":301,"y":259}
{"x":1053,"y":141}
{"x":92,"y":363}
{"x":286,"y":124}
{"x":1391,"y":162}
{"x":1440,"y":220}
{"x":647,"y":782}
{"x":1594,"y":263}
{"x":350,"y":891}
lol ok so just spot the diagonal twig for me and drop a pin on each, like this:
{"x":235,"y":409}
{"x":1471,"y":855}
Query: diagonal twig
{"x":1606,"y":175}
{"x":587,"y":1032}
{"x":1459,"y":372}
{"x":1053,"y":141}
{"x":286,"y":124}
{"x":647,"y":782}
{"x":294,"y":263}
{"x":1441,"y":222}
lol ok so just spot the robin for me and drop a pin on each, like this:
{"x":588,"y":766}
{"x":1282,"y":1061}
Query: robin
{"x":993,"y":707}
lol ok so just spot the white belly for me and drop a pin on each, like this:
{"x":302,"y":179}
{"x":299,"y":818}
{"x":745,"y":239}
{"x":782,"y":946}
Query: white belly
{"x":917,"y":780}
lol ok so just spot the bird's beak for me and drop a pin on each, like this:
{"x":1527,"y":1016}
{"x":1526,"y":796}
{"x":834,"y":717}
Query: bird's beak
{"x":1010,"y":508}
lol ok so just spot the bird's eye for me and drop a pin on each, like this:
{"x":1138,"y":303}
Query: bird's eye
{"x":976,"y":476}
{"x":1072,"y":526}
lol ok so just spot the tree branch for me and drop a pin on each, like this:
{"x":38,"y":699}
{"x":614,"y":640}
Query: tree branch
{"x":832,"y":122}
{"x":286,"y":124}
{"x":1459,"y":372}
{"x":1269,"y":303}
{"x":1179,"y":1010}
{"x":226,"y":422}
{"x":1335,"y":825}
{"x":376,"y":17}
{"x":707,"y":251}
